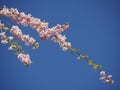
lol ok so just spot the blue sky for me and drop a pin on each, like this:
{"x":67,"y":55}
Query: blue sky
{"x":94,"y":28}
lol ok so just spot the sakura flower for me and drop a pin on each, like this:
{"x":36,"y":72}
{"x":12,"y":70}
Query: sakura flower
{"x":64,"y":48}
{"x":22,"y":15}
{"x":14,"y":11}
{"x":45,"y":36}
{"x":16,"y":31}
{"x":102,"y":73}
{"x":2,"y":34}
{"x":28,"y":17}
{"x":43,"y":25}
{"x":61,"y":40}
{"x":105,"y":78}
{"x":24,"y":22}
{"x":4,"y":11}
{"x":25,"y":37}
{"x":107,"y":81}
{"x":4,"y":38}
{"x":109,"y":76}
{"x":10,"y":38}
{"x":25,"y":58}
{"x":65,"y":27}
{"x":31,"y":41}
{"x":4,"y":41}
{"x":1,"y":26}
{"x":34,"y":22}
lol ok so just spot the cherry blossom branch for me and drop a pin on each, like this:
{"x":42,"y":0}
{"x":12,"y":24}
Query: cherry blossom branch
{"x":105,"y":78}
{"x":17,"y":32}
{"x":45,"y":33}
{"x":14,"y":46}
{"x":35,"y":23}
{"x":25,"y":38}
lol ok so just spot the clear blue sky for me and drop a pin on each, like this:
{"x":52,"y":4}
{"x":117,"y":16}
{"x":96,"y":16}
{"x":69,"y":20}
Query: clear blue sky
{"x":94,"y":28}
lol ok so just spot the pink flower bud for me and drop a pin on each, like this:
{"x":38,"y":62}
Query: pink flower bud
{"x":102,"y":73}
{"x":109,"y":76}
{"x":25,"y":37}
{"x":107,"y":80}
{"x":4,"y":41}
{"x":1,"y":26}
{"x":102,"y":78}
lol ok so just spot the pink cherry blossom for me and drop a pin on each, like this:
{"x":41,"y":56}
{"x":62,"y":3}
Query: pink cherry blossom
{"x":31,"y":41}
{"x":25,"y":58}
{"x":103,"y":78}
{"x":1,"y":26}
{"x":35,"y":23}
{"x":25,"y":38}
{"x":109,"y":76}
{"x":62,"y":42}
{"x":22,"y":15}
{"x":4,"y":11}
{"x":4,"y":41}
{"x":4,"y":38}
{"x":10,"y":38}
{"x":2,"y":34}
{"x":106,"y":78}
{"x":43,"y":30}
{"x":102,"y":73}
{"x":18,"y":33}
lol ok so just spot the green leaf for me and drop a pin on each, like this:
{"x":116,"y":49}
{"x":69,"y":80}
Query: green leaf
{"x":72,"y":51}
{"x":16,"y":52}
{"x":83,"y":56}
{"x":22,"y":51}
{"x":36,"y":45}
{"x":95,"y":66}
{"x":5,"y":28}
{"x":90,"y":62}
{"x":19,"y":47}
{"x":111,"y":81}
{"x":15,"y":42}
{"x":77,"y":50}
{"x":100,"y":67}
{"x":11,"y":43}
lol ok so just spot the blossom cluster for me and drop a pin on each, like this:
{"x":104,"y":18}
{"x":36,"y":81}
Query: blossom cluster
{"x":25,"y":58}
{"x":28,"y":40}
{"x":62,"y":42}
{"x":4,"y":38}
{"x":106,"y":78}
{"x":40,"y":26}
